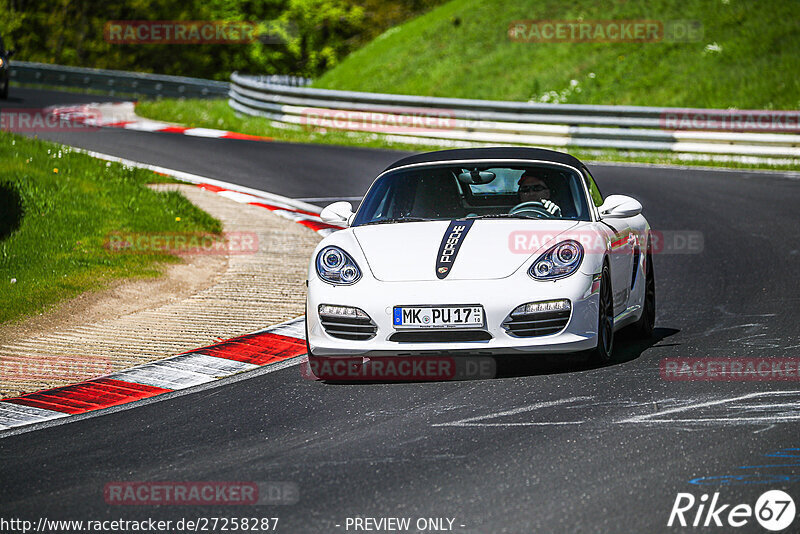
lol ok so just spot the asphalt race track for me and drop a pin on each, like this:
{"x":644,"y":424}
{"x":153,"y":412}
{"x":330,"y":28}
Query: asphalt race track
{"x":550,"y":445}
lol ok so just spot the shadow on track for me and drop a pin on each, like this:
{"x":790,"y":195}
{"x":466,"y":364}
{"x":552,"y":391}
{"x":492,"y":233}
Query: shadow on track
{"x":627,"y":348}
{"x":11,"y":209}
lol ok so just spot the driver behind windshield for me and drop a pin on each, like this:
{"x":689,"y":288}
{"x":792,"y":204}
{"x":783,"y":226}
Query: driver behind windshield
{"x":534,"y":189}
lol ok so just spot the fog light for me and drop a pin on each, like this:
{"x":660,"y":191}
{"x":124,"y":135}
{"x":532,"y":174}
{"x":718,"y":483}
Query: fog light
{"x":544,"y":306}
{"x":341,"y":311}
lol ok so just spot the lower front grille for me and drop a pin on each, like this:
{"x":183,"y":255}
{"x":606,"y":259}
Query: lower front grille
{"x":353,"y":328}
{"x":440,"y":336}
{"x":537,"y":324}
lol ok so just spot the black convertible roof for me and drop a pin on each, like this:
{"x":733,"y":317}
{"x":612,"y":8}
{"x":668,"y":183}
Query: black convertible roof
{"x":503,"y":152}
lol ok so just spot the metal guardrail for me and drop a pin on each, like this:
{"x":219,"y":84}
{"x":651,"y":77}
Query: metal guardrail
{"x":282,"y":79}
{"x":432,"y":120}
{"x":414,"y":119}
{"x":114,"y":82}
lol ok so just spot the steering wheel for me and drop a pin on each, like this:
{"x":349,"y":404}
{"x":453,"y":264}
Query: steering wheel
{"x":533,"y":208}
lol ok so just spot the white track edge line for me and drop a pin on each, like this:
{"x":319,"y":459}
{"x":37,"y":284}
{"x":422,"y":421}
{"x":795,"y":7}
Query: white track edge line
{"x":232,"y":379}
{"x":198,"y":179}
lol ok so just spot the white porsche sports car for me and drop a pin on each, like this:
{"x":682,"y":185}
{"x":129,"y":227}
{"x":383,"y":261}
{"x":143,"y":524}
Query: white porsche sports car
{"x":481,"y":251}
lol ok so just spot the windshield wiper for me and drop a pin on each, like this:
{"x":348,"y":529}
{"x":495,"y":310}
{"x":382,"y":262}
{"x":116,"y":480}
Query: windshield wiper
{"x":395,"y":220}
{"x":503,"y":216}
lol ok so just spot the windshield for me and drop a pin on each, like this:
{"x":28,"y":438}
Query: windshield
{"x":456,"y":191}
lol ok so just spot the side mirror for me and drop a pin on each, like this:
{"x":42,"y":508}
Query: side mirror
{"x":620,"y":207}
{"x":9,"y":53}
{"x":338,"y":213}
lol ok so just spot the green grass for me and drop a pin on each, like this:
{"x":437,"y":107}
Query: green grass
{"x":218,"y":114}
{"x":214,"y":113}
{"x":462,"y":49}
{"x":57,"y":208}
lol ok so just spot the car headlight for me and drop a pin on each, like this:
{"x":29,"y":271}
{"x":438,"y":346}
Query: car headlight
{"x":334,"y":265}
{"x":559,"y":261}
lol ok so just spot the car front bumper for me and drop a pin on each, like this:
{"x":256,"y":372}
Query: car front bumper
{"x":498,"y":298}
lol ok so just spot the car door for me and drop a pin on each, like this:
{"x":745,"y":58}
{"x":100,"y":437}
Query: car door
{"x":622,"y":244}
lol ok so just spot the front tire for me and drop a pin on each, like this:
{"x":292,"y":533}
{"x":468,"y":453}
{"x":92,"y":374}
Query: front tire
{"x":4,"y":91}
{"x":643,"y":328}
{"x":605,"y":321}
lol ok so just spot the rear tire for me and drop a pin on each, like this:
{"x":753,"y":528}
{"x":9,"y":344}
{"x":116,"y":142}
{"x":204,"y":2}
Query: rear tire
{"x":602,"y":354}
{"x":643,"y":328}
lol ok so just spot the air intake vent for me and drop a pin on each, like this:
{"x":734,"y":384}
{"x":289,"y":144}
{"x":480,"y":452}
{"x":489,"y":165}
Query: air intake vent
{"x":440,"y":336}
{"x":635,"y":266}
{"x":536,"y":324}
{"x":353,"y":328}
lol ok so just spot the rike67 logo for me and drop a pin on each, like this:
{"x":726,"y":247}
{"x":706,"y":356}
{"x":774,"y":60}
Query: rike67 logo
{"x":774,"y":510}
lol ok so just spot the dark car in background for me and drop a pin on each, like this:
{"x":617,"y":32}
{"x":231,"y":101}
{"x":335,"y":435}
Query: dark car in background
{"x":4,"y":68}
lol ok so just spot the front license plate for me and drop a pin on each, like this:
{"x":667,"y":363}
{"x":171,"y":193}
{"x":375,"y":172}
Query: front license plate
{"x":438,"y":316}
